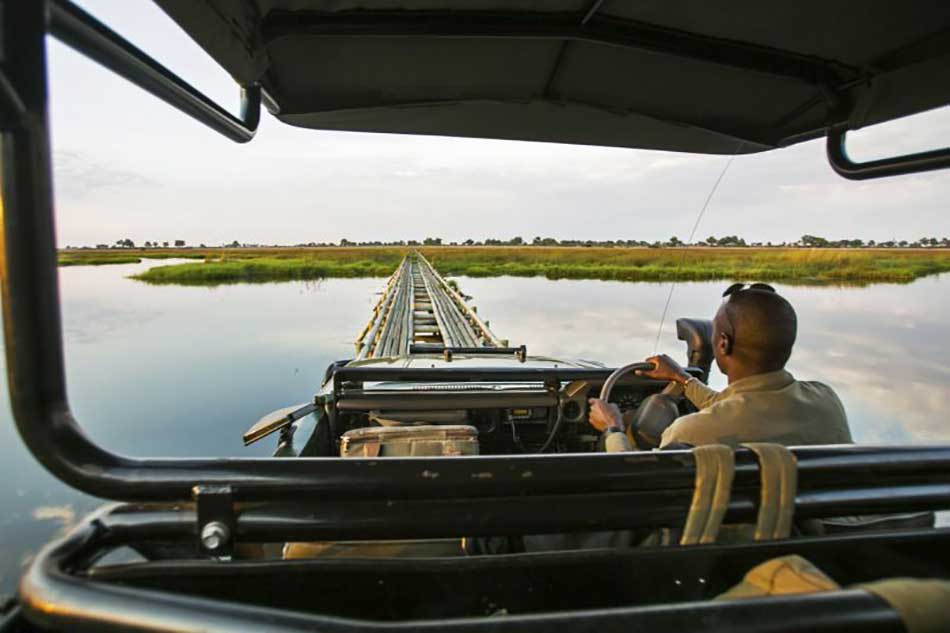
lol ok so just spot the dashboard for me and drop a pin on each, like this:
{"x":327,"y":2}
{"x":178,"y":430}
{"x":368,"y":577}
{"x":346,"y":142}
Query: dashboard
{"x":510,"y":419}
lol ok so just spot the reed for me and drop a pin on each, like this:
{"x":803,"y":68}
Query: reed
{"x":795,"y":265}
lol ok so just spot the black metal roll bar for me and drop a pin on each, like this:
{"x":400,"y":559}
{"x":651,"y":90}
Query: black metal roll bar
{"x":895,"y":166}
{"x":82,"y":32}
{"x":58,"y":592}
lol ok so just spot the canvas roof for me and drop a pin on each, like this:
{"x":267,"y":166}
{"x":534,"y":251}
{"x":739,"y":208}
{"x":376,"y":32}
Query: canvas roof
{"x":682,"y":75}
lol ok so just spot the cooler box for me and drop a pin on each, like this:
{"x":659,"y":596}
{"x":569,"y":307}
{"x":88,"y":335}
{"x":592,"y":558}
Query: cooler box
{"x":410,"y":441}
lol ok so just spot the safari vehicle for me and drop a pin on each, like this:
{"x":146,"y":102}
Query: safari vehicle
{"x":209,"y":533}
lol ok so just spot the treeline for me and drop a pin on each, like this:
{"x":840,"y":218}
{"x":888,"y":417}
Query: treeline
{"x":727,"y":241}
{"x":127,"y":243}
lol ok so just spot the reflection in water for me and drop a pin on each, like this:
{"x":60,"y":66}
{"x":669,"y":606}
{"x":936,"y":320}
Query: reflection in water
{"x":183,"y":371}
{"x":885,"y":349}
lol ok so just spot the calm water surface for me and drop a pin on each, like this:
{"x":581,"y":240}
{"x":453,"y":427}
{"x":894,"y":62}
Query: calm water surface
{"x":176,"y":371}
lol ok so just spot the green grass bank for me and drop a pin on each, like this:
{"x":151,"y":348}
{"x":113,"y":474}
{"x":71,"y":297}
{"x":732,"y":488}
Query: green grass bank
{"x":795,"y":266}
{"x":133,"y":256}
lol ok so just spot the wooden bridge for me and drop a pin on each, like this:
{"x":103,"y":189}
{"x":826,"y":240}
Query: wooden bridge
{"x":418,"y":311}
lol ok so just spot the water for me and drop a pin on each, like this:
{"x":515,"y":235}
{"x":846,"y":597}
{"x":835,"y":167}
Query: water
{"x":165,"y":370}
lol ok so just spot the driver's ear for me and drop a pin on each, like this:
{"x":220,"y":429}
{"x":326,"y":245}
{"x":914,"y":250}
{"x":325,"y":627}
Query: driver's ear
{"x":725,"y":343}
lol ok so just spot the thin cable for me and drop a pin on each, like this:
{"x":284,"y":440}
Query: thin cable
{"x":689,"y":241}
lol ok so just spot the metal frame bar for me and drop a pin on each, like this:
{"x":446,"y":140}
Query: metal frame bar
{"x":54,"y":594}
{"x":569,"y":26}
{"x":368,"y":373}
{"x":82,"y":32}
{"x":430,"y":348}
{"x":895,"y":166}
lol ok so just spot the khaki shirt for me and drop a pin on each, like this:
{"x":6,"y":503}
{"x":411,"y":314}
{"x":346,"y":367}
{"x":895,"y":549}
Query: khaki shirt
{"x":771,"y":407}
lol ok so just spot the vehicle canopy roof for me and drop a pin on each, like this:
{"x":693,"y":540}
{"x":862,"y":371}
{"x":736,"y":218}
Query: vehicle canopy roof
{"x":683,"y":75}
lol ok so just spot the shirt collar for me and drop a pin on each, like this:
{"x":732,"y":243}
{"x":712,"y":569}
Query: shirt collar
{"x":768,"y":381}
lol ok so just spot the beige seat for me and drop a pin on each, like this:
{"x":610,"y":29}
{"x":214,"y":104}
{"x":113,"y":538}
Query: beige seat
{"x":923,"y":605}
{"x":395,"y":441}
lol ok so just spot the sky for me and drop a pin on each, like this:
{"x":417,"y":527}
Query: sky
{"x":126,"y":165}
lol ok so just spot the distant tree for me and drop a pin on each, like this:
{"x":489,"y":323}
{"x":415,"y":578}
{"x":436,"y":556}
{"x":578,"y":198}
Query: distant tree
{"x":675,"y":241}
{"x":517,"y":241}
{"x":814,"y":241}
{"x":165,"y":244}
{"x":148,"y":244}
{"x":432,"y":241}
{"x":179,"y":243}
{"x":711,"y":240}
{"x":468,"y":242}
{"x":731,"y":240}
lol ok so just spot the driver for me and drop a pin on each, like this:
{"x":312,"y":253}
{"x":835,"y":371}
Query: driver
{"x":753,"y":333}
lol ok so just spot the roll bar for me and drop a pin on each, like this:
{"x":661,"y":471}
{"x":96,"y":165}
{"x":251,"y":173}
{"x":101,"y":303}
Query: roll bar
{"x":61,"y":592}
{"x":82,"y":32}
{"x":898,"y":165}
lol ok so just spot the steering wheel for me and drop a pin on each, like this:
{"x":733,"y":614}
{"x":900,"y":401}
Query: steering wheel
{"x":652,"y":417}
{"x":618,"y":373}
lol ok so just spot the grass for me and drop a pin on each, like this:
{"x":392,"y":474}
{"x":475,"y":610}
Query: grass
{"x":229,"y":266}
{"x":260,"y":270}
{"x":98,"y":260}
{"x":796,"y":266}
{"x":100,"y":257}
{"x":803,"y":266}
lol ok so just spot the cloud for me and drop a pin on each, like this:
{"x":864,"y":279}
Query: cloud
{"x":77,"y":175}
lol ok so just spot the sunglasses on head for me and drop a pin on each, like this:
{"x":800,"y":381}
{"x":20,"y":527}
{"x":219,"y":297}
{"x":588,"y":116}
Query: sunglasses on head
{"x":738,"y":287}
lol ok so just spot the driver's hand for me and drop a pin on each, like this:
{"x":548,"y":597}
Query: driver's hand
{"x":604,"y":415}
{"x":665,"y":368}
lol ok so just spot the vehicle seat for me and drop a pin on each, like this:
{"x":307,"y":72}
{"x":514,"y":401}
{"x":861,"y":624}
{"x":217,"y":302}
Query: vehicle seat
{"x":395,"y":441}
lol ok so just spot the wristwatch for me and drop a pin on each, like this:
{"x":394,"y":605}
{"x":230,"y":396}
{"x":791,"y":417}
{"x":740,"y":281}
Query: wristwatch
{"x":613,"y":429}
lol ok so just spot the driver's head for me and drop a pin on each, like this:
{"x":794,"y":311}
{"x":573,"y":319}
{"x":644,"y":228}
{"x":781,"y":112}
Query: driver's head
{"x":754,"y":330}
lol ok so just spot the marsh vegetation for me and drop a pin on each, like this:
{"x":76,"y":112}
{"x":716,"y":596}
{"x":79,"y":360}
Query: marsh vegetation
{"x":817,"y":266}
